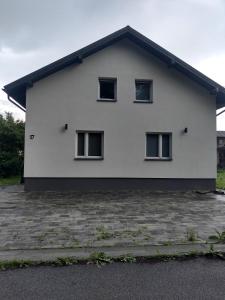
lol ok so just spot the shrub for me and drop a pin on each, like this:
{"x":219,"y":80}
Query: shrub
{"x":11,"y":146}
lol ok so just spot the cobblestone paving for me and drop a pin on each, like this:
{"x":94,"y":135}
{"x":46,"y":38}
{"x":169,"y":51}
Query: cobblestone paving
{"x":55,"y":220}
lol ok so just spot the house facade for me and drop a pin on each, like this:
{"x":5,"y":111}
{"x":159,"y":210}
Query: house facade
{"x":120,"y":113}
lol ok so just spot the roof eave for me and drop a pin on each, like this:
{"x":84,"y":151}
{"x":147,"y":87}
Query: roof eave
{"x":17,"y":89}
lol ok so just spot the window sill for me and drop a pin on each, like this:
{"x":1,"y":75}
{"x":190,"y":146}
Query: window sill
{"x":107,"y":100}
{"x":88,"y":158}
{"x":143,"y":101}
{"x":158,"y":159}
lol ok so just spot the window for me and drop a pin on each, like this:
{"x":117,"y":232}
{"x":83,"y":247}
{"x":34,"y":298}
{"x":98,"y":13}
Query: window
{"x":152,"y":149}
{"x":143,"y":90}
{"x":158,"y":146}
{"x":220,"y":142}
{"x":107,"y":89}
{"x":89,"y":145}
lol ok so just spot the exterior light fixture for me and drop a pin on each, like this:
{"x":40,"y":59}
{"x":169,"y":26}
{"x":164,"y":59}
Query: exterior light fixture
{"x":185,"y":130}
{"x":66,"y":126}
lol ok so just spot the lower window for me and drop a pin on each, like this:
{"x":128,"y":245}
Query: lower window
{"x":89,"y":145}
{"x":158,"y":146}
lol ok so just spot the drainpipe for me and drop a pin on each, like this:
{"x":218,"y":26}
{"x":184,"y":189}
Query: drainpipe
{"x":15,"y":103}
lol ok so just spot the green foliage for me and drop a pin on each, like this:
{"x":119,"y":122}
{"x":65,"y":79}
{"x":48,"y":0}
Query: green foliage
{"x":191,"y":235}
{"x":167,"y":243}
{"x":10,"y":180}
{"x":211,"y":248}
{"x":58,"y":262}
{"x":99,"y":258}
{"x":219,"y":237}
{"x":65,"y":261}
{"x":11,"y":145}
{"x":14,"y":264}
{"x":127,"y":258}
{"x":102,"y":233}
{"x":220,"y":181}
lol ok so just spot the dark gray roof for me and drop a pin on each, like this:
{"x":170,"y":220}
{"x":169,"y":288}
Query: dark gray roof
{"x":17,"y":89}
{"x":221,"y":134}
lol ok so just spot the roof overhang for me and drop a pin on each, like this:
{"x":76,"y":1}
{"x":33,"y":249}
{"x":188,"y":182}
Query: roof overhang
{"x":17,"y":89}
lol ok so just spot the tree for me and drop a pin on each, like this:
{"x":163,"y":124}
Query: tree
{"x":11,"y":145}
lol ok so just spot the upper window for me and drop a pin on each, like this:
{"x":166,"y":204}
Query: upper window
{"x":158,"y":146}
{"x":107,"y":89}
{"x":89,"y":145}
{"x":143,"y":90}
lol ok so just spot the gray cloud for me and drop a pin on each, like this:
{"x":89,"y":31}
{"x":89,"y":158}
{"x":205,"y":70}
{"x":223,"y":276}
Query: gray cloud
{"x":34,"y":33}
{"x":181,"y":26}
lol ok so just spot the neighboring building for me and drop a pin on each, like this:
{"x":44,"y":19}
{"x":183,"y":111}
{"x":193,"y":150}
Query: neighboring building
{"x":221,"y":149}
{"x":120,"y":113}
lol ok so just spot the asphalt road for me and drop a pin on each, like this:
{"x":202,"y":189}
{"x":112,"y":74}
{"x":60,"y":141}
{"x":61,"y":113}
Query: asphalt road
{"x":194,"y":279}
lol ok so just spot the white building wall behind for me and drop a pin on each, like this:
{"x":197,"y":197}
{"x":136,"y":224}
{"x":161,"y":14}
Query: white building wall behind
{"x":69,"y":96}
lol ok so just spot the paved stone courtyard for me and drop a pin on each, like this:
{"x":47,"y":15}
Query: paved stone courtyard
{"x":56,"y":220}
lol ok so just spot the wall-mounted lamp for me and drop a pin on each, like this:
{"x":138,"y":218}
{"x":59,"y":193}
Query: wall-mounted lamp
{"x":185,"y":130}
{"x":66,"y":126}
{"x":31,"y":136}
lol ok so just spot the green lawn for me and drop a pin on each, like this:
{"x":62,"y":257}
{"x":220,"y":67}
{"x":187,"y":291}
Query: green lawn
{"x":10,"y":180}
{"x":220,"y":182}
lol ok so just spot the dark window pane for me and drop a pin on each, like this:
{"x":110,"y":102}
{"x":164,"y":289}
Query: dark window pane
{"x":95,"y":144}
{"x":107,"y":89}
{"x":152,"y":145}
{"x":165,"y":145}
{"x":80,"y":145}
{"x":142,"y":90}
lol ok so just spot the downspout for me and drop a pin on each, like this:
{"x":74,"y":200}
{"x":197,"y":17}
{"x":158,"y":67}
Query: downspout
{"x":15,"y":103}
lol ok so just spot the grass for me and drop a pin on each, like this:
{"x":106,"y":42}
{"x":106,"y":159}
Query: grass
{"x":219,"y":237}
{"x":220,"y":182}
{"x":167,"y":243}
{"x":127,"y":258}
{"x":58,"y":262}
{"x":102,"y":233}
{"x":9,"y":180}
{"x":101,"y":259}
{"x":191,"y":235}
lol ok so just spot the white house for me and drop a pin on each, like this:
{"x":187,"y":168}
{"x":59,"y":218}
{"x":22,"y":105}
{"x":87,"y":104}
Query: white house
{"x":120,"y":113}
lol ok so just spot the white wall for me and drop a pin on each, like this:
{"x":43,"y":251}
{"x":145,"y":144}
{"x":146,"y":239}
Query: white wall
{"x":69,"y":96}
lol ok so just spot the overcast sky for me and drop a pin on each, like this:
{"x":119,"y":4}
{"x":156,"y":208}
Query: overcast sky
{"x":34,"y":33}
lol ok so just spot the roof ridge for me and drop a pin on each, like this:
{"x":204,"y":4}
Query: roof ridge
{"x":17,"y":88}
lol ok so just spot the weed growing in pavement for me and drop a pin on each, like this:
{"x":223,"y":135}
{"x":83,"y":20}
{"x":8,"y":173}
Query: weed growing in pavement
{"x":219,"y":237}
{"x":102,"y":233}
{"x":127,"y":258}
{"x":191,"y":235}
{"x":99,"y":258}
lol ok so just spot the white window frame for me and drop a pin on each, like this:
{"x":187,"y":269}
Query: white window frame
{"x":86,"y":144}
{"x":150,"y":82}
{"x":115,"y":89}
{"x":160,"y":157}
